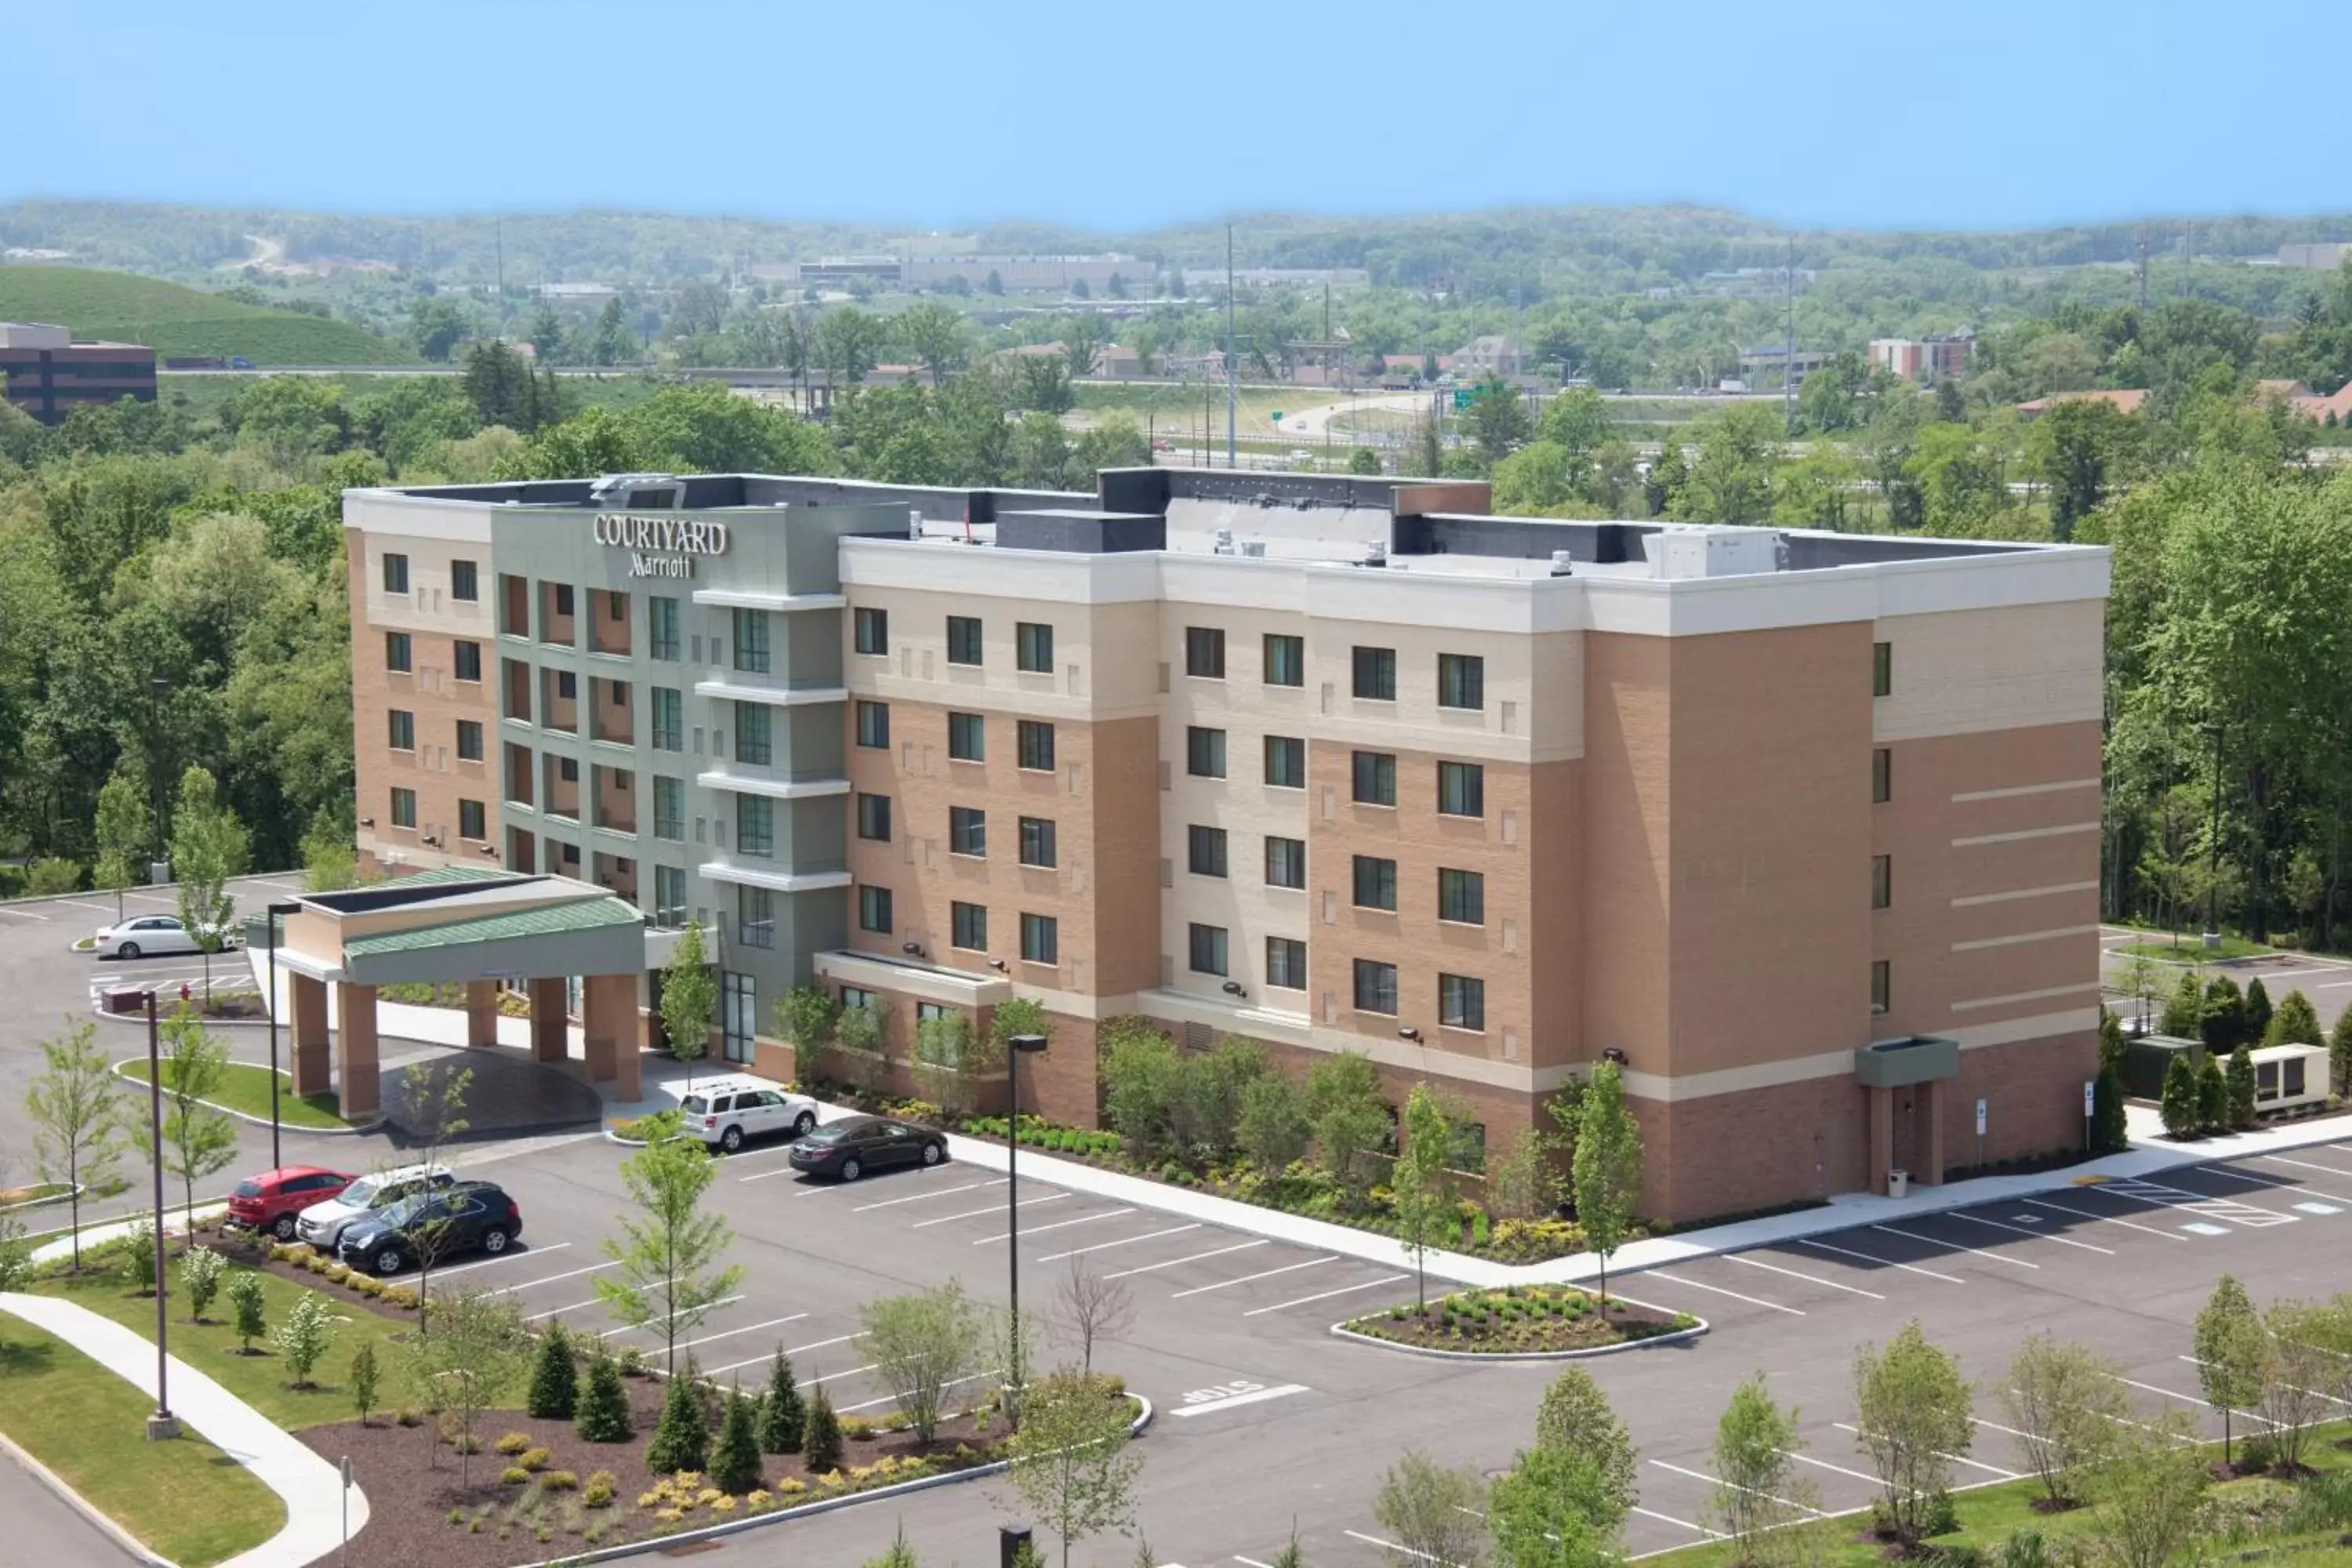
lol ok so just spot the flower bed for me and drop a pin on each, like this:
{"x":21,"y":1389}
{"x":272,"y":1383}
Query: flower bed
{"x":1521,"y":1319}
{"x":1039,"y":1133}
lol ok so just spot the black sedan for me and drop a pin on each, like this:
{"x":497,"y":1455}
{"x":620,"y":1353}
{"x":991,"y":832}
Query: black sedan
{"x":855,"y":1144}
{"x":466,"y":1216}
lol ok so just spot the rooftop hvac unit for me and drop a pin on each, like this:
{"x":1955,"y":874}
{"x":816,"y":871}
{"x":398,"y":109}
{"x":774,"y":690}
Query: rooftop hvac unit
{"x":1224,"y":539}
{"x":914,"y":523}
{"x":1563,"y":563}
{"x":1254,"y":548}
{"x":1376,"y":552}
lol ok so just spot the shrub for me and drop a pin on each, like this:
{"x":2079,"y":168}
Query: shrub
{"x":200,"y":1276}
{"x":367,"y":1285}
{"x":735,"y":1462}
{"x":514,"y":1476}
{"x":252,"y":1309}
{"x":633,"y":1361}
{"x":336,"y":1272}
{"x":511,"y":1442}
{"x":857,"y":1428}
{"x":407,"y":1416}
{"x":598,"y":1492}
{"x":783,"y":1416}
{"x":535,"y":1459}
{"x":402,"y":1296}
{"x":2177,"y":1102}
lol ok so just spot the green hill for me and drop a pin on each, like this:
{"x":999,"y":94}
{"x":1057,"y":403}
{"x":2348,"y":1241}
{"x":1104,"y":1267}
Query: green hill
{"x":178,"y":321}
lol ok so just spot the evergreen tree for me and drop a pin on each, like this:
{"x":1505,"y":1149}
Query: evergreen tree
{"x":2225,"y":1016}
{"x":604,"y":1414}
{"x":2295,"y":1023}
{"x":2177,"y":1104}
{"x":2111,"y":1038}
{"x":2184,"y":1011}
{"x":555,"y":1378}
{"x":2108,"y":1135}
{"x":783,"y":1416}
{"x":682,"y":1440}
{"x":2239,"y":1082}
{"x":820,"y":1445}
{"x":735,"y":1463}
{"x":2339,"y":1050}
{"x":2258,"y":1010}
{"x":2212,"y":1096}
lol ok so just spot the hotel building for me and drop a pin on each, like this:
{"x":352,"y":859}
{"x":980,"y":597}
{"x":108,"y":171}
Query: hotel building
{"x":1803,"y":828}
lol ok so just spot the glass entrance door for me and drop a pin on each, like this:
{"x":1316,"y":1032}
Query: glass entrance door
{"x":739,"y":1014}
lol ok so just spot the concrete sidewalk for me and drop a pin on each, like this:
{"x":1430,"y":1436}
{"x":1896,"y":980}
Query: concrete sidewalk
{"x":310,"y":1488}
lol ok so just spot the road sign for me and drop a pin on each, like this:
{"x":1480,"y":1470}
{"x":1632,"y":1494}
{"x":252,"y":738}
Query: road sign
{"x":1278,"y":416}
{"x":2089,"y":1086}
{"x":1980,"y":1118}
{"x":1462,"y":395}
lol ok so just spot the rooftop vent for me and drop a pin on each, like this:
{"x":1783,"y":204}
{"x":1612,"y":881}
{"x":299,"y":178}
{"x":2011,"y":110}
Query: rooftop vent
{"x":1563,"y":563}
{"x":1376,"y":552}
{"x":1223,"y":542}
{"x":1254,"y":548}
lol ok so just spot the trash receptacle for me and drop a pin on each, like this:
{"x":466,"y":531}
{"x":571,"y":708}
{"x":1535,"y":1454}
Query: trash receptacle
{"x":1898,"y":1183}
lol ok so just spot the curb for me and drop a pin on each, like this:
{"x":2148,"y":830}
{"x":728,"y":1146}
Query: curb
{"x":80,"y":1190}
{"x":82,"y":1506}
{"x":101,"y":1012}
{"x":353,"y":1130}
{"x":1678,"y":1336}
{"x":665,"y":1543}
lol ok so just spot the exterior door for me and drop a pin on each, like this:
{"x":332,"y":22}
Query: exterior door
{"x":739,"y":1014}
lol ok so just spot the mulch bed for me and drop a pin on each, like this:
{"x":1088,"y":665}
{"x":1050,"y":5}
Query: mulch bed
{"x":410,"y":1477}
{"x":1521,"y":1319}
{"x":243,"y":1247}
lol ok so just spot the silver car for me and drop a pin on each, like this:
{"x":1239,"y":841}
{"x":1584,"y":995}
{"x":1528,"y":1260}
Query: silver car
{"x":322,"y":1224}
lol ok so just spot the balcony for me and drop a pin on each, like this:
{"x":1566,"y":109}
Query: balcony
{"x":617,"y":872}
{"x":608,"y":622}
{"x":519,"y":780}
{"x":560,"y":787}
{"x":616,"y":798}
{"x":514,"y":605}
{"x":555,"y":615}
{"x":559,"y":706}
{"x":611,"y":715}
{"x":514,"y":676}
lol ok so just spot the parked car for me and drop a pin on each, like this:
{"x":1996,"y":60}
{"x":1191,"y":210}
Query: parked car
{"x":148,"y":936}
{"x":728,"y":1113}
{"x":465,"y":1216}
{"x":322,"y":1224}
{"x":855,"y":1144}
{"x":273,"y":1200}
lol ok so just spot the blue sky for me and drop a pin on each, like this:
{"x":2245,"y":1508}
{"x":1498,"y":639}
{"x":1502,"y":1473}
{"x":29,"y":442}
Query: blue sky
{"x":1880,"y":113}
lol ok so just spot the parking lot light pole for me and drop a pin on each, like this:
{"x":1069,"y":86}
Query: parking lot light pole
{"x":277,"y":1160}
{"x":163,"y":1423}
{"x":1017,"y":1047}
{"x":2213,"y":851}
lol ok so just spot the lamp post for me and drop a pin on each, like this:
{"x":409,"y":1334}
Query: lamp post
{"x":163,"y":1423}
{"x":277,"y":1160}
{"x":1018,"y":1047}
{"x":2213,"y":851}
{"x":158,"y":688}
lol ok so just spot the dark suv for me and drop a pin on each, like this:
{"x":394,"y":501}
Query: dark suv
{"x":465,"y":1216}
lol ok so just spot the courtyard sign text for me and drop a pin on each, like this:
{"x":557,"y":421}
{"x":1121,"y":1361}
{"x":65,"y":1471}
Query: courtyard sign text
{"x":661,"y":546}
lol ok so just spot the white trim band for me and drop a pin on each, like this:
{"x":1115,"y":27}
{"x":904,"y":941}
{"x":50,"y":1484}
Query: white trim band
{"x":2025,"y":936}
{"x":2042,"y":892}
{"x":746,"y":599}
{"x":2064,"y":830}
{"x":775,"y":696}
{"x":2047,"y":992}
{"x":775,"y":789}
{"x":778,"y":881}
{"x":2015,"y":792}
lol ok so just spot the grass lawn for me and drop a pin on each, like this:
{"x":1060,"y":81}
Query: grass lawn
{"x":40,"y":1192}
{"x":176,"y":319}
{"x":2190,"y":948}
{"x":186,"y":1500}
{"x":247,"y":1088}
{"x":211,"y":1347}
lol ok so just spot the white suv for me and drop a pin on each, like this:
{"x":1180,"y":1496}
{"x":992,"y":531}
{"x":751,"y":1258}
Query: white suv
{"x":322,"y":1224}
{"x":729,"y":1112}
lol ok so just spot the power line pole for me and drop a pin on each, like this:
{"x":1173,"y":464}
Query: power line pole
{"x":1233,"y":365}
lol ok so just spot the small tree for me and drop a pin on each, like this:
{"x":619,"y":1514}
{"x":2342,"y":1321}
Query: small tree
{"x":435,"y":1110}
{"x":1351,"y":1120}
{"x":688,"y":997}
{"x":2212,"y":1096}
{"x":669,"y":1279}
{"x":2177,"y":1101}
{"x":2239,"y":1078}
{"x":2184,"y":1011}
{"x":363,"y":1376}
{"x":2148,"y":1491}
{"x":821,"y":1443}
{"x":1070,"y":1461}
{"x":783,"y":1418}
{"x":1273,"y":1129}
{"x":1432,"y":1512}
{"x":121,"y":830}
{"x":682,"y":1439}
{"x":477,"y":1349}
{"x":1911,"y":1407}
{"x":76,"y":1113}
{"x":1755,"y":1492}
{"x":208,"y":848}
{"x":1575,"y":1418}
{"x":2296,"y":1022}
{"x":2066,"y":1403}
{"x":1417,"y":1186}
{"x":2110,"y":1130}
{"x":806,"y":1017}
{"x":303,"y":1336}
{"x":2232,"y":1354}
{"x":1545,"y":1512}
{"x":198,"y":1141}
{"x":898,"y":1553}
{"x":2297,"y":1374}
{"x":251,"y":1308}
{"x":554,"y":1378}
{"x":1092,"y":1306}
{"x":862,"y":1032}
{"x":922,"y":1345}
{"x":1607,"y":1167}
{"x":2339,"y":1050}
{"x":604,"y":1414}
{"x":201,"y":1269}
{"x":2258,"y":1011}
{"x":735,"y":1461}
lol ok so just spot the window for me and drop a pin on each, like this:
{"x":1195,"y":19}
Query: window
{"x":1461,"y":1002}
{"x":669,"y":724}
{"x":464,"y":585}
{"x":404,"y":730}
{"x":1882,"y":775}
{"x":874,"y":725}
{"x":1462,"y":897}
{"x":1037,"y":745}
{"x":473,"y":822}
{"x":1207,"y":850}
{"x":874,"y":910}
{"x":1033,"y":647}
{"x":968,"y":926}
{"x":1286,"y":862}
{"x":966,"y":830}
{"x":1285,"y":964}
{"x":755,"y":825}
{"x":1375,"y":674}
{"x":396,"y":654}
{"x":967,"y":738}
{"x":754,"y":738}
{"x":563,"y":598}
{"x":470,"y":660}
{"x":1882,"y":881}
{"x":1882,"y":668}
{"x":1469,"y":1147}
{"x":568,"y":769}
{"x":1204,"y":652}
{"x":1208,"y":945}
{"x":752,"y":641}
{"x":1461,"y":789}
{"x":404,"y":808}
{"x":1880,"y":984}
{"x":661,"y":627}
{"x":963,"y":639}
{"x":1041,"y":940}
{"x":567,"y":685}
{"x":872,"y":631}
{"x":1375,"y":987}
{"x":616,"y":605}
{"x":755,"y":916}
{"x":1285,"y":661}
{"x":669,"y":896}
{"x":395,"y":573}
{"x":1375,"y":778}
{"x":1461,"y":680}
{"x":1204,"y":753}
{"x":855,"y":997}
{"x":2294,"y":1077}
{"x":469,"y":739}
{"x":1286,"y":762}
{"x":670,"y":808}
{"x":1037,"y":847}
{"x":1375,"y":883}
{"x":874,"y":817}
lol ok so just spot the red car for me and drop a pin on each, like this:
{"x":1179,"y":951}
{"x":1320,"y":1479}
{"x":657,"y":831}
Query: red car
{"x":270,"y":1201}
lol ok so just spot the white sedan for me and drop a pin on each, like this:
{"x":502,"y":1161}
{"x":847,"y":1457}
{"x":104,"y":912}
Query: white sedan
{"x":148,"y":936}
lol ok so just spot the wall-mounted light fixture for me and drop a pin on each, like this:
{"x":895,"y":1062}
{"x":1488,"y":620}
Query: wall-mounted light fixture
{"x":1233,"y":988}
{"x":1614,"y":1055}
{"x":1409,"y":1032}
{"x":997,"y":964}
{"x":911,"y":949}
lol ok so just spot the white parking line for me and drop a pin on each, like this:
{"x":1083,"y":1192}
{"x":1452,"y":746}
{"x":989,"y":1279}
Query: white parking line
{"x":1794,"y":1274}
{"x":559,"y":1312}
{"x":2027,"y":1230}
{"x":1955,"y":1246}
{"x":1686,"y":1524}
{"x":2104,"y":1219}
{"x":1125,"y":1240}
{"x":2305,"y":1165}
{"x":2313,"y":1392}
{"x":820,"y":1344}
{"x":975,"y":1214}
{"x":658,"y":1319}
{"x":1719,"y":1290}
{"x":790,"y":1350}
{"x":502,"y":1257}
{"x":730,"y":1333}
{"x":81,"y":904}
{"x":1824,"y":1464}
{"x":1285,"y":1268}
{"x":1399,"y":1551}
{"x":921,"y":1197}
{"x":1193,"y":1258}
{"x":1882,"y":1262}
{"x":24,"y":914}
{"x":1956,"y":1459}
{"x":1343,"y":1291}
{"x":1751,"y":1491}
{"x":893,"y":1399}
{"x":2151,"y":1388}
{"x":1058,"y":1224}
{"x":572,"y":1274}
{"x":846,"y":1371}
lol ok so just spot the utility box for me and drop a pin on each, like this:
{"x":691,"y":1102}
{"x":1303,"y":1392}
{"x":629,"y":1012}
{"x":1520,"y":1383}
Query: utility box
{"x":1011,"y":1541}
{"x":2148,"y":1058}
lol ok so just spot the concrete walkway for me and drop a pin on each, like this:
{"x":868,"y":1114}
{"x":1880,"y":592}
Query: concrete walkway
{"x":310,"y":1488}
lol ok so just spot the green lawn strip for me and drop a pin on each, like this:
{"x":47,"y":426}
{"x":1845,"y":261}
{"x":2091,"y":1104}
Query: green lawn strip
{"x":211,"y":1347}
{"x":39,"y":1193}
{"x":2190,"y":948}
{"x":246,"y":1088}
{"x":187,"y":1499}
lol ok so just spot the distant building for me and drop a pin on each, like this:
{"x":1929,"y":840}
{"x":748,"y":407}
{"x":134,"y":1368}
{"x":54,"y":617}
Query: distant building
{"x":1014,"y":274}
{"x":2338,"y":405}
{"x":48,"y":375}
{"x":1492,"y":354}
{"x":2319,"y":256}
{"x":1924,"y":360}
{"x":1767,"y":364}
{"x":578,"y":293}
{"x":2123,"y":402}
{"x":1279,"y":277}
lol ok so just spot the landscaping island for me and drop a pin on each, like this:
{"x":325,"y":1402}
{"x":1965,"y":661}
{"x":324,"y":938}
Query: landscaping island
{"x":1521,"y":1319}
{"x":244,"y":1090}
